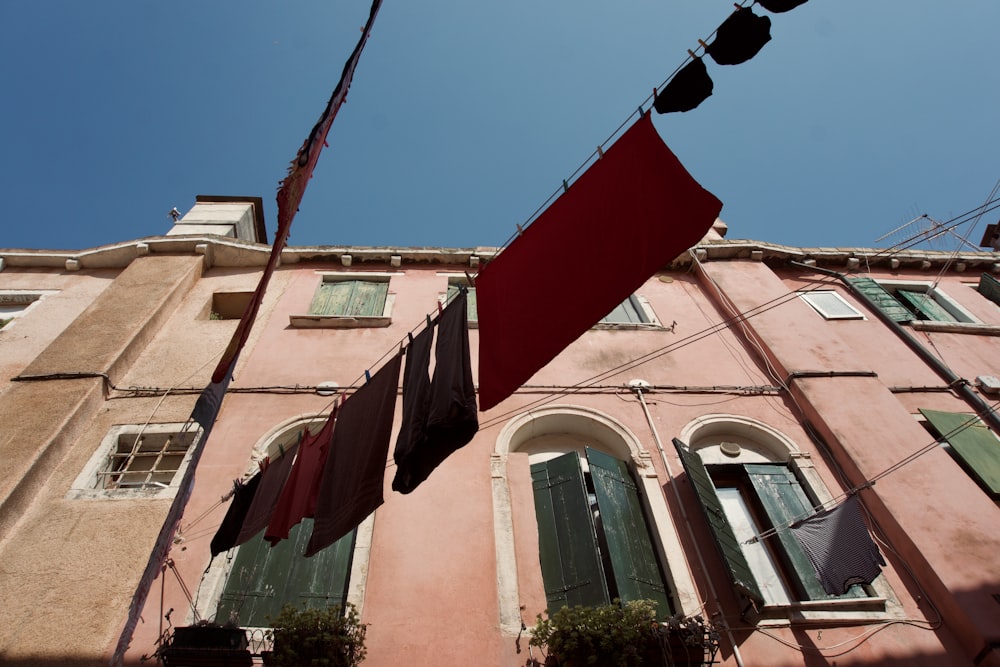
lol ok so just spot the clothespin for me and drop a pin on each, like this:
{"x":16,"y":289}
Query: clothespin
{"x":440,"y":308}
{"x":410,"y":334}
{"x":281,"y":449}
{"x":691,"y":53}
{"x":600,"y":151}
{"x":703,"y":45}
{"x":565,"y":186}
{"x":641,"y":112}
{"x":429,"y":324}
{"x":368,"y":376}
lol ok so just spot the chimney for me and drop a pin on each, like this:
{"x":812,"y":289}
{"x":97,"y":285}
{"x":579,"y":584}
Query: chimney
{"x":235,"y":217}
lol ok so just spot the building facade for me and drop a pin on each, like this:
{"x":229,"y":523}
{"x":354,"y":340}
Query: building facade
{"x":779,"y":378}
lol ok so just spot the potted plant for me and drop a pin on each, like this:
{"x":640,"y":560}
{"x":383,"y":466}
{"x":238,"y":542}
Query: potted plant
{"x":331,"y":637}
{"x":623,"y":635}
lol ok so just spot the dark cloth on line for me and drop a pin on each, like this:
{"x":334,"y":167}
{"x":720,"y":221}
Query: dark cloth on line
{"x":449,"y":420}
{"x":298,"y":498}
{"x":229,"y":529}
{"x":690,"y":87}
{"x":630,"y":214}
{"x":740,"y":37}
{"x":780,"y":6}
{"x":351,"y":486}
{"x":272,"y":481}
{"x":839,"y":547}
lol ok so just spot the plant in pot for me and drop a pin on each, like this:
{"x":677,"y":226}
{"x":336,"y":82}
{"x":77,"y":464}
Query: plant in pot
{"x":616,"y":634}
{"x":331,"y":637}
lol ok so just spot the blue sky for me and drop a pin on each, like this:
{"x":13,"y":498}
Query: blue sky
{"x":465,"y":116}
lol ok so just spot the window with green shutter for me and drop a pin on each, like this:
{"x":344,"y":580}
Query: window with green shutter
{"x":972,"y":444}
{"x":594,"y":542}
{"x":350,"y":298}
{"x":989,"y":287}
{"x":906,"y":301}
{"x":263,"y":578}
{"x":473,"y":312}
{"x":741,"y":501}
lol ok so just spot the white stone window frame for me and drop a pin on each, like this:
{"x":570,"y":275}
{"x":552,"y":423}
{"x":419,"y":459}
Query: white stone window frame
{"x":343,"y":322}
{"x":815,"y":299}
{"x":611,"y":436}
{"x":761,"y":443}
{"x":15,"y":304}
{"x":214,"y":582}
{"x":456,"y":279}
{"x":87,"y":485}
{"x":643,"y":304}
{"x":963,"y":316}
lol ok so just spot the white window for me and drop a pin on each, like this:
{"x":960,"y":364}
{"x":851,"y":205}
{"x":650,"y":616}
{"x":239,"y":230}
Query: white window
{"x":632,"y":313}
{"x":137,"y":461}
{"x":14,"y":304}
{"x":349,"y":300}
{"x":831,"y":305}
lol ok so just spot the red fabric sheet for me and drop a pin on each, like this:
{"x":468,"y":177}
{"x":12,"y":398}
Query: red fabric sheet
{"x":631,"y":213}
{"x":298,"y":498}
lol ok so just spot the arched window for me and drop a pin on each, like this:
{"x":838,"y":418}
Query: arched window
{"x":261,"y":579}
{"x":594,"y":501}
{"x":751,"y":480}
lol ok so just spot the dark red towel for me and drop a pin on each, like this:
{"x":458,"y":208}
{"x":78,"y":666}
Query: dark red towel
{"x":298,"y":498}
{"x":630,"y":214}
{"x":272,"y":481}
{"x":351,"y":487}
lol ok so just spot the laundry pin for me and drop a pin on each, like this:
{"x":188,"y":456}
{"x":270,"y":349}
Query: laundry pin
{"x":703,"y":45}
{"x":600,"y":151}
{"x":565,"y":186}
{"x":368,"y":376}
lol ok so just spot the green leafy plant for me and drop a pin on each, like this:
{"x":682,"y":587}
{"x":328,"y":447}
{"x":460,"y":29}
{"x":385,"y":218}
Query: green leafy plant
{"x":328,"y":637}
{"x":613,"y":634}
{"x":624,"y":635}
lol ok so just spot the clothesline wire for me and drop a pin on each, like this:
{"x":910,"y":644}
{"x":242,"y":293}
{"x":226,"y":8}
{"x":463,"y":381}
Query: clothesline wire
{"x":836,"y":500}
{"x":965,"y":239}
{"x":605,"y":144}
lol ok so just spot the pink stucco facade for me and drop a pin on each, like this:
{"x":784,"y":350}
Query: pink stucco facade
{"x":124,"y":336}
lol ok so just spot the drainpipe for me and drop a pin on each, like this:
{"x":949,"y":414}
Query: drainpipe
{"x":637,"y":386}
{"x":956,"y":383}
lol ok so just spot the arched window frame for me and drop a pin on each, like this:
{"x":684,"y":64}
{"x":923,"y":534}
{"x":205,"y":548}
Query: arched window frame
{"x":761,"y":443}
{"x":285,"y":433}
{"x":607,"y":434}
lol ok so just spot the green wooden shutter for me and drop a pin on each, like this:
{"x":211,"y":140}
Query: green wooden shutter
{"x":263,"y":579}
{"x":633,"y":559}
{"x":473,"y":312}
{"x":925,"y":304}
{"x":785,"y":501}
{"x":367,"y":299}
{"x":990,"y":288}
{"x":567,"y":541}
{"x":973,"y":443}
{"x":881,"y":299}
{"x":729,"y":546}
{"x":331,"y":298}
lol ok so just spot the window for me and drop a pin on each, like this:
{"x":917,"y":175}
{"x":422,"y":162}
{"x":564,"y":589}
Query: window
{"x":989,"y":287}
{"x":453,"y":285}
{"x":971,"y":443}
{"x":749,"y":496}
{"x":15,"y":304}
{"x":137,"y":461}
{"x":632,"y":313}
{"x":906,"y":301}
{"x":263,"y":579}
{"x":229,"y":305}
{"x":348,"y":301}
{"x":830,"y":305}
{"x":594,"y":544}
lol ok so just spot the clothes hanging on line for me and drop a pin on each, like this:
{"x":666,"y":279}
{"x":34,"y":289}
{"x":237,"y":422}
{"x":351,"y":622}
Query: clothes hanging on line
{"x":740,"y":37}
{"x":229,"y":529}
{"x":686,"y":90}
{"x":439,"y":415}
{"x":272,"y":481}
{"x":780,"y":6}
{"x":839,"y":547}
{"x":627,"y":216}
{"x":351,"y":485}
{"x":298,"y":498}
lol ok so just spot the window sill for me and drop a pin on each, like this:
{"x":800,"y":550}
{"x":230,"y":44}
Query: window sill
{"x":956,"y":327}
{"x":853,"y":610}
{"x":627,"y":326}
{"x":336,"y":322}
